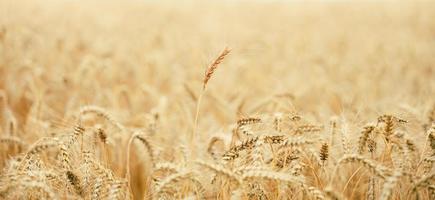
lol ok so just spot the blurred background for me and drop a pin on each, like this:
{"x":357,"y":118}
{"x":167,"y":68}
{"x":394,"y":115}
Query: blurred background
{"x":330,"y":56}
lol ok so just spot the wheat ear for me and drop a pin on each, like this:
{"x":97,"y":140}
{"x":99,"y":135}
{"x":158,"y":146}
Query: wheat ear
{"x":102,"y":113}
{"x":213,"y":66}
{"x":389,"y":184}
{"x":208,"y":73}
{"x":221,"y":170}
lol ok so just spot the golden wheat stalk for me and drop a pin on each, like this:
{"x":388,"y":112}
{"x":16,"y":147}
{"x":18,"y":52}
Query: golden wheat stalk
{"x":208,"y":73}
{"x":214,"y":65}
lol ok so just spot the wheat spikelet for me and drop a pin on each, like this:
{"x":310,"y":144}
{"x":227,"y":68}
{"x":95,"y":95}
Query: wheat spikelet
{"x":102,"y":113}
{"x":256,"y":191}
{"x":398,"y":156}
{"x":317,"y":194}
{"x":103,"y":176}
{"x":100,"y":171}
{"x":167,"y":166}
{"x":26,"y":184}
{"x":38,"y":147}
{"x":244,"y":145}
{"x":294,"y":118}
{"x":48,"y":192}
{"x":296,"y":169}
{"x":86,"y":162}
{"x":344,"y":140}
{"x":389,"y":184}
{"x":313,"y":156}
{"x":213,"y":66}
{"x":65,"y":157}
{"x":274,"y":139}
{"x":208,"y":73}
{"x":411,"y":152}
{"x":324,"y":152}
{"x":388,"y":119}
{"x":185,"y":151}
{"x":96,"y":188}
{"x":389,"y":124}
{"x":115,"y":190}
{"x":245,"y":130}
{"x":271,"y":175}
{"x":431,"y":138}
{"x":367,"y":130}
{"x":308,"y":128}
{"x":221,"y":171}
{"x":102,"y":136}
{"x":148,"y":146}
{"x":13,"y":141}
{"x":371,"y":193}
{"x":296,"y":141}
{"x":411,"y":145}
{"x":241,"y":169}
{"x":375,"y":168}
{"x":427,"y":164}
{"x":130,"y":143}
{"x":230,"y":155}
{"x":41,"y":145}
{"x":165,"y":183}
{"x":75,"y":182}
{"x":10,"y":180}
{"x":254,"y":156}
{"x":78,"y":130}
{"x":247,"y":121}
{"x":277,"y":121}
{"x":371,"y":145}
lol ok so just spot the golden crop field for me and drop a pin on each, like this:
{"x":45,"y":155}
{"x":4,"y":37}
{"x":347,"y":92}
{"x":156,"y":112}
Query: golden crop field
{"x":190,"y":99}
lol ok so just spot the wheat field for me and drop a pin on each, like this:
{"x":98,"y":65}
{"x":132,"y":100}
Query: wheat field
{"x":141,"y":99}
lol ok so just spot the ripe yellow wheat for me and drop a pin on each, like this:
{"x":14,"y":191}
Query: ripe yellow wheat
{"x":319,"y":100}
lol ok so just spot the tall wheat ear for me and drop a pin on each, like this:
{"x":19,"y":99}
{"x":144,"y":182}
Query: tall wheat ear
{"x":207,"y":76}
